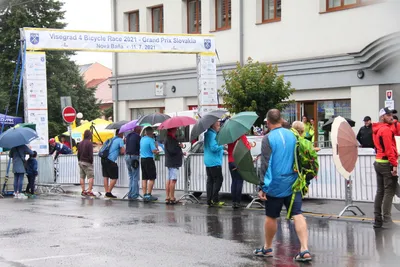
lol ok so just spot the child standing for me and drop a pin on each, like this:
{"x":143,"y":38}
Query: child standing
{"x":31,"y":173}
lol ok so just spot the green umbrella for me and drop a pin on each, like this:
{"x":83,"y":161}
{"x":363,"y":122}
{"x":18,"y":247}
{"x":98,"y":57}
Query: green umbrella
{"x":27,"y":125}
{"x":244,"y":163}
{"x":236,"y":126}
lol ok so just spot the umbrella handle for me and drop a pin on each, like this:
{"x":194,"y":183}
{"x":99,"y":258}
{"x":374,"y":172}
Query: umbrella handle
{"x":337,"y":149}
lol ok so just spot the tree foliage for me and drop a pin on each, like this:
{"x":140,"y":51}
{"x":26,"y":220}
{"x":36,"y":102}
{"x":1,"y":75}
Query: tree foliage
{"x":63,"y":77}
{"x":255,"y":87}
{"x":108,"y":112}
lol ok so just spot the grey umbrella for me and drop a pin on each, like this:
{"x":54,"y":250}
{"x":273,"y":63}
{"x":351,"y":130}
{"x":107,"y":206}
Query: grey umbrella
{"x":205,"y":122}
{"x":116,"y":125}
{"x":153,"y":118}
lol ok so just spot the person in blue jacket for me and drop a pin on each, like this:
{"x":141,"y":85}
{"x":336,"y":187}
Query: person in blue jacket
{"x":213,"y":154}
{"x":277,"y":179}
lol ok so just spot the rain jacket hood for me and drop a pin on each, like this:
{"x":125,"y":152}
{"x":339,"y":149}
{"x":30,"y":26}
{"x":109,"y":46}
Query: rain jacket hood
{"x":87,"y":134}
{"x":385,"y":143}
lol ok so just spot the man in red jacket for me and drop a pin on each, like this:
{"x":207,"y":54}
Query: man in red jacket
{"x":385,"y":167}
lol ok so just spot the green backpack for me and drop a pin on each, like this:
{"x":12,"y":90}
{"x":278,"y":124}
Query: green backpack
{"x":307,"y":159}
{"x":306,"y":165}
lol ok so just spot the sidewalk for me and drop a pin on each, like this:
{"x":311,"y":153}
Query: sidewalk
{"x":313,"y":207}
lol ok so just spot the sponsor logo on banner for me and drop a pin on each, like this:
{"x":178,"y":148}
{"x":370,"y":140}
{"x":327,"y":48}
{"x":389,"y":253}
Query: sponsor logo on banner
{"x":207,"y":44}
{"x":34,"y":38}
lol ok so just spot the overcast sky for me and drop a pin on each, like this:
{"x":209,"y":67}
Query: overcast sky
{"x":89,"y":15}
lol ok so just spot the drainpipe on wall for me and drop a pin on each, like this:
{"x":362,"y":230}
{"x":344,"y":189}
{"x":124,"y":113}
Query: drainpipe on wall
{"x":241,"y":48}
{"x":115,"y":63}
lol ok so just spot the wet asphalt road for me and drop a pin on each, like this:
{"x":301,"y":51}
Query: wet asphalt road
{"x":70,"y":231}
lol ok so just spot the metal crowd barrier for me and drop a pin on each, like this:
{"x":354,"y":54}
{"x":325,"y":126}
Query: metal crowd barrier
{"x":193,"y":178}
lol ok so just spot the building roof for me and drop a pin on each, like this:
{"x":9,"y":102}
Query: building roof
{"x":95,"y":82}
{"x":84,"y":68}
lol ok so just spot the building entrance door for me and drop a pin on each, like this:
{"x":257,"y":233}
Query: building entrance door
{"x":309,"y":109}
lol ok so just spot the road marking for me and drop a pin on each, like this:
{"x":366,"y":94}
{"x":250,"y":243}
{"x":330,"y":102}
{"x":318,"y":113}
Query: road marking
{"x":53,"y":257}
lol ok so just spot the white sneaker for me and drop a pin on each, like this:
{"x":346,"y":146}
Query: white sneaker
{"x":15,"y":195}
{"x":22,"y":196}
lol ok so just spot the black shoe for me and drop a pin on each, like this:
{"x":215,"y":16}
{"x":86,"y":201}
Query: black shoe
{"x":109,"y":195}
{"x":378,"y":223}
{"x":235,"y":205}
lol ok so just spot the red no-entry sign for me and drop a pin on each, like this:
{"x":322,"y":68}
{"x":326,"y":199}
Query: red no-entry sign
{"x":69,"y":114}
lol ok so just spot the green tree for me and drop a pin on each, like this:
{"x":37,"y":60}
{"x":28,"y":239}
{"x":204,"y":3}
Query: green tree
{"x":255,"y":87}
{"x":108,"y":112}
{"x":63,"y":77}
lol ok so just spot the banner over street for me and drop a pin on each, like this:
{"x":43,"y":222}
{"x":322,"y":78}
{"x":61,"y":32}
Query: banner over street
{"x":56,"y":39}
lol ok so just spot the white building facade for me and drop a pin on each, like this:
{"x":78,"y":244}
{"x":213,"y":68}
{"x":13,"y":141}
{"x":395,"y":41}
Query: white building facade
{"x":341,"y":56}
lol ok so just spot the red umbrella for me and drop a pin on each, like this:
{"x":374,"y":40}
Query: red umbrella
{"x":176,"y":122}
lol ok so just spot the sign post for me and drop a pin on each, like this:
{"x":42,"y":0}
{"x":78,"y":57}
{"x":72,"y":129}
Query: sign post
{"x":69,"y":116}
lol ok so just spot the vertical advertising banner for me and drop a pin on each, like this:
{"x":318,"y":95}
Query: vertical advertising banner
{"x":207,"y":83}
{"x":35,"y":99}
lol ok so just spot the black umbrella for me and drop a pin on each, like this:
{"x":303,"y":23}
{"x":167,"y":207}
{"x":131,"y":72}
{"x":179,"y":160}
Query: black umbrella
{"x":116,"y":125}
{"x":205,"y":122}
{"x":153,"y":118}
{"x":328,"y":124}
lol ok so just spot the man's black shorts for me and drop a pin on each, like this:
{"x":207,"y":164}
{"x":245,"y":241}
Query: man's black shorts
{"x":148,"y":169}
{"x":273,"y":205}
{"x":109,"y":168}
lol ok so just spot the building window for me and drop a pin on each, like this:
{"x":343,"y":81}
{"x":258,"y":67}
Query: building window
{"x":157,"y":19}
{"x":133,"y":18}
{"x":194,"y":16}
{"x":289,"y":113}
{"x":223,"y":14}
{"x":271,"y":10}
{"x":333,"y":5}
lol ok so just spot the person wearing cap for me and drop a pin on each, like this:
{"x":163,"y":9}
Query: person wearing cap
{"x":364,"y":135}
{"x":385,"y":168}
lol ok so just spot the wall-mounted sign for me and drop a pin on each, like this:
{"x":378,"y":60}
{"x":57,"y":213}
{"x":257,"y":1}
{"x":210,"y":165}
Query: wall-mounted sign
{"x":159,"y":89}
{"x":389,"y":95}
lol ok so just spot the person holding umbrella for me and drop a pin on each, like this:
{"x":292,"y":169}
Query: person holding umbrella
{"x":16,"y":139}
{"x":148,"y":150}
{"x":18,"y":155}
{"x":237,"y":180}
{"x":173,"y":161}
{"x":213,"y":154}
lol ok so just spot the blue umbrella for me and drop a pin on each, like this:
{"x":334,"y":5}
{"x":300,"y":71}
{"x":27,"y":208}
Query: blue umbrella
{"x":17,"y":136}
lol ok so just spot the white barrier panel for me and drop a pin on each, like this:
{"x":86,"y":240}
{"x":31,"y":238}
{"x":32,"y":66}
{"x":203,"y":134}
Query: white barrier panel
{"x":45,"y":170}
{"x":331,"y":185}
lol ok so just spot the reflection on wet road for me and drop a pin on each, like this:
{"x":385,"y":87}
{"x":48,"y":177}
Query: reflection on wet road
{"x":57,"y":230}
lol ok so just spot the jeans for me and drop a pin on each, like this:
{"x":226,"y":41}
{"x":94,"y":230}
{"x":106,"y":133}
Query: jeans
{"x":214,"y":183}
{"x":385,"y":192}
{"x":30,"y":188}
{"x":133,"y":176}
{"x":18,"y":181}
{"x":237,"y":183}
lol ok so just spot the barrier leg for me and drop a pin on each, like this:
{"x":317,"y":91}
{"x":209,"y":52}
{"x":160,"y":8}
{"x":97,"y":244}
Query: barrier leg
{"x":349,"y":201}
{"x":254,"y":201}
{"x":187,"y":195}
